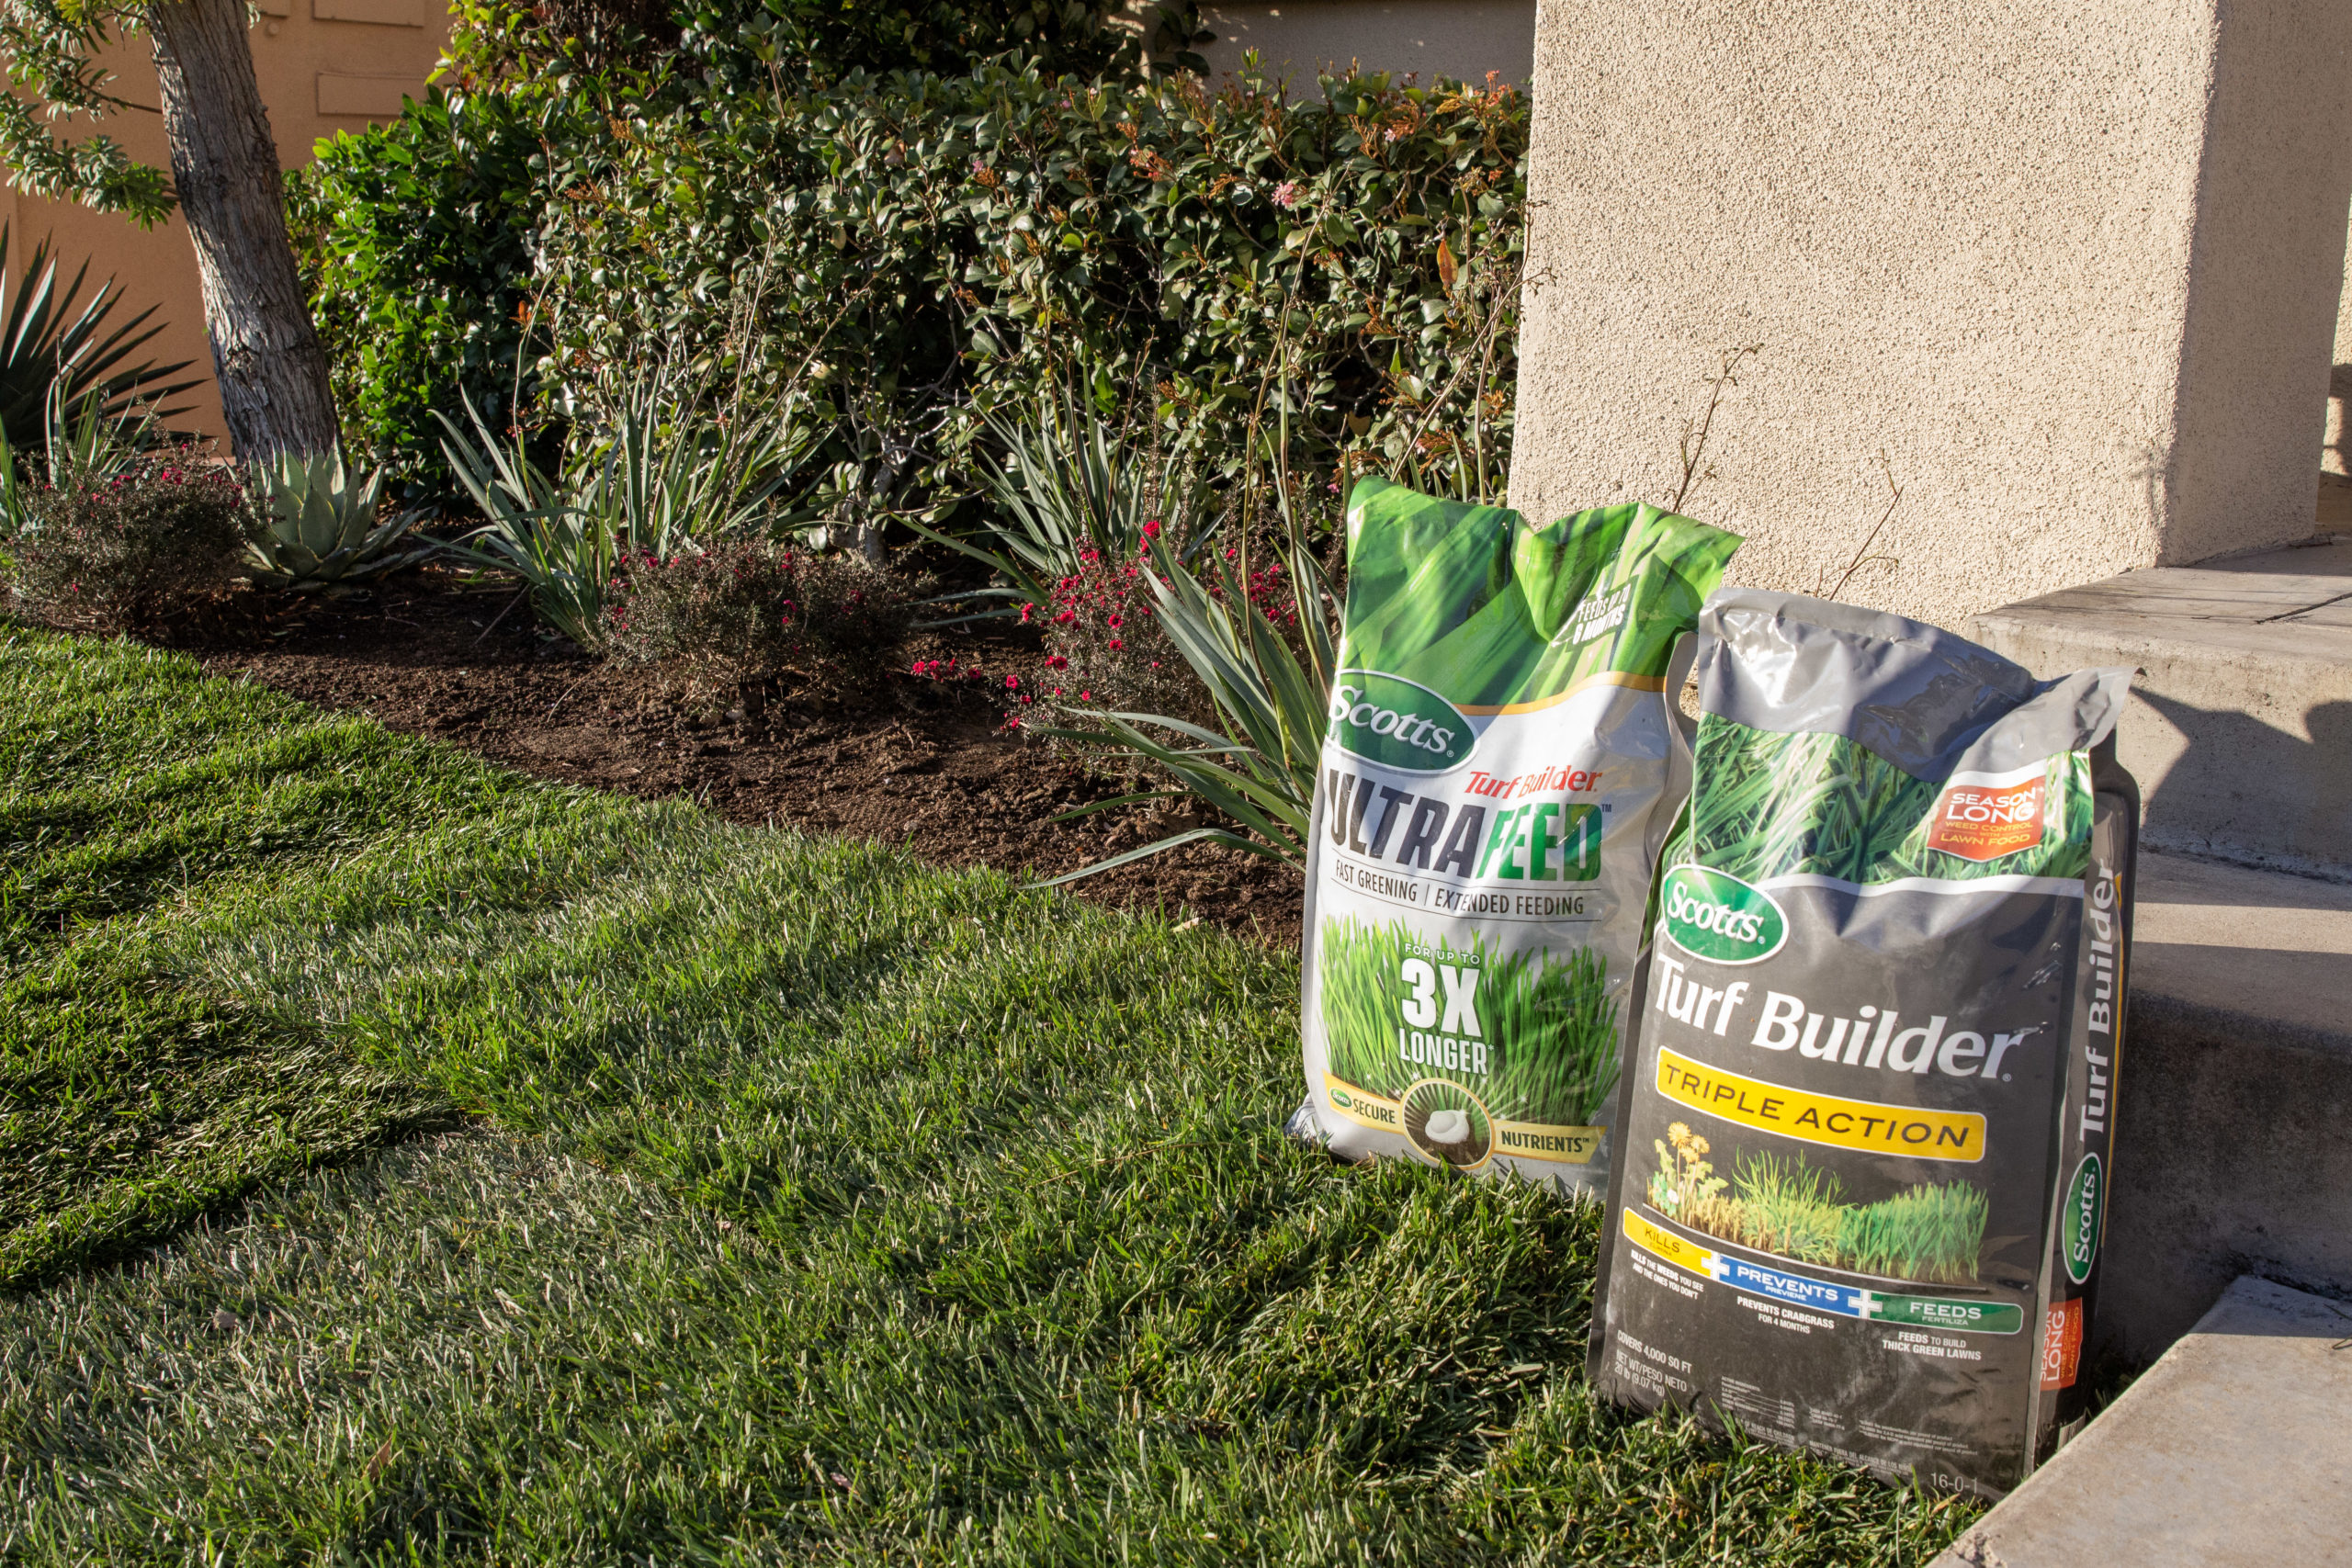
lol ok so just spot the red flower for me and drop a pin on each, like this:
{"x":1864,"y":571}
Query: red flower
{"x":1151,"y":528}
{"x":1013,"y":682}
{"x":1025,"y":611}
{"x":1056,"y":661}
{"x":1114,"y":622}
{"x":1116,"y":644}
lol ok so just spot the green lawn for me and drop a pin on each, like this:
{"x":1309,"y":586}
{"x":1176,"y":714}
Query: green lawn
{"x":575,"y":1180}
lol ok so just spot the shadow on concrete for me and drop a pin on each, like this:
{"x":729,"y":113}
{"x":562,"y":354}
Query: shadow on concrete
{"x":2204,"y":804}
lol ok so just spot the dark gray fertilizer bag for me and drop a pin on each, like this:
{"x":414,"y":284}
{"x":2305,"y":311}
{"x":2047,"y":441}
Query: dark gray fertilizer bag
{"x":1867,"y":1101}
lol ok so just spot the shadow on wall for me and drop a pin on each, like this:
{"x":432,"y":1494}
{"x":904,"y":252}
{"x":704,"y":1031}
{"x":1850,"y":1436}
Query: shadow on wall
{"x":2232,"y":773}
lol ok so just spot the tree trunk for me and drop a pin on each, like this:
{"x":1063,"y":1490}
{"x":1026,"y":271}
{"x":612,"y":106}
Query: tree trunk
{"x":265,"y":351}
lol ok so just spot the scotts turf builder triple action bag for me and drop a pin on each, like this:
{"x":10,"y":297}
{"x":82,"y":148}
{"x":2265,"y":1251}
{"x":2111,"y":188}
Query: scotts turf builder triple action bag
{"x":1497,"y":777}
{"x":1867,"y":1108}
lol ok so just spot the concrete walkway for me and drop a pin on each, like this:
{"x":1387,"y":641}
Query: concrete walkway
{"x":2232,"y":1452}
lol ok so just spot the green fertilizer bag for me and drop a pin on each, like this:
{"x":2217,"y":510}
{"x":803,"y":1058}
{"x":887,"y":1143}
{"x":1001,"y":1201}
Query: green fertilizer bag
{"x":1499,"y":773}
{"x":1867,"y":1103}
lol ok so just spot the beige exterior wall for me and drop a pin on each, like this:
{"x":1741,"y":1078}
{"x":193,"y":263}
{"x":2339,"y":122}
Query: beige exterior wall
{"x":1463,"y":39}
{"x":2072,"y":266}
{"x":323,"y":66}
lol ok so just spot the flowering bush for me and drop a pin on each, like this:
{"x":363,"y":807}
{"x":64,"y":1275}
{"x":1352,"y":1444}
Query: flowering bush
{"x":753,"y":611}
{"x":124,"y":545}
{"x":1106,"y":649}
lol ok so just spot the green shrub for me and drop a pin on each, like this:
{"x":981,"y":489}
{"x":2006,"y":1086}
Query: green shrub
{"x":924,"y":249}
{"x":744,"y":45}
{"x":416,"y":236}
{"x":750,"y":611}
{"x":919,"y":249}
{"x":122,"y":546}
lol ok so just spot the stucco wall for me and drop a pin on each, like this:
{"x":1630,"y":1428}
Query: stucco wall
{"x":2073,"y":267}
{"x":1465,"y":38}
{"x":323,"y":66}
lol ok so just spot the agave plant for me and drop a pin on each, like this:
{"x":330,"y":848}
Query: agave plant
{"x":47,"y":343}
{"x":321,"y":523}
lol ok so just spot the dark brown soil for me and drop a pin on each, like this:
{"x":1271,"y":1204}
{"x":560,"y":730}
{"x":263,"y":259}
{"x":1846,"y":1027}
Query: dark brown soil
{"x":908,"y":761}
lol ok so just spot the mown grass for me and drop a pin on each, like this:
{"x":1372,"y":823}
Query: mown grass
{"x":818,"y":1203}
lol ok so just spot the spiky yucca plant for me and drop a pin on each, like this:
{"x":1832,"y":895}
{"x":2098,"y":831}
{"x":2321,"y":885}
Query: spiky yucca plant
{"x":49,"y":346}
{"x":320,"y":523}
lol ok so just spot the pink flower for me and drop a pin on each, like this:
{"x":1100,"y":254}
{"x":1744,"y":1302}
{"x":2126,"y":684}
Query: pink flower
{"x":1114,"y":622}
{"x":1013,"y":682}
{"x":1286,"y":194}
{"x":1025,"y":611}
{"x":1085,"y":696}
{"x":1056,"y":661}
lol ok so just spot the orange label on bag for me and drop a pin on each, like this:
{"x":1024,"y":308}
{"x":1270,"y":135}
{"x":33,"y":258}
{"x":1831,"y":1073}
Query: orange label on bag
{"x":1982,"y":822}
{"x":2061,"y":1344}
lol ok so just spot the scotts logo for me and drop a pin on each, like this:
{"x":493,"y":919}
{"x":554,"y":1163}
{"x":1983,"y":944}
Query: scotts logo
{"x":1712,"y":914}
{"x":1399,"y":724}
{"x":2078,"y":1226}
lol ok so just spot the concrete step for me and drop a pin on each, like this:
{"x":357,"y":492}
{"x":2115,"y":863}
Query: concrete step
{"x":2232,"y":1452}
{"x":2335,"y":513}
{"x":2240,"y":727}
{"x":2234,"y":1101}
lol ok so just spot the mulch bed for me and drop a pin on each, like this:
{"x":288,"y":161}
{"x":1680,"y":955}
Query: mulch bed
{"x":914,"y":762}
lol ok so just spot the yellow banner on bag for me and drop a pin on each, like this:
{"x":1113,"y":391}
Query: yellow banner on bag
{"x":1821,"y":1118}
{"x":1667,"y":1245}
{"x":1542,"y":1140}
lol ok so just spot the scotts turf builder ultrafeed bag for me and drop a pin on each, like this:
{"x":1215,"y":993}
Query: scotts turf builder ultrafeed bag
{"x":1497,"y":777}
{"x":1867,"y":1106}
